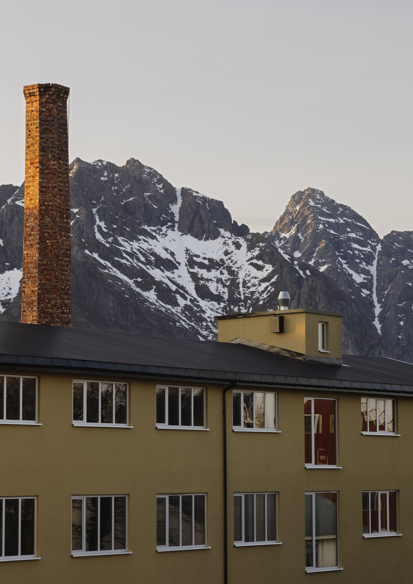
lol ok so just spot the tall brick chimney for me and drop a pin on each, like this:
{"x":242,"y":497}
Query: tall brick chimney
{"x":46,"y":297}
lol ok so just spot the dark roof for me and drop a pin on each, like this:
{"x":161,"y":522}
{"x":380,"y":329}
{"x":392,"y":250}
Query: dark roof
{"x":44,"y":348}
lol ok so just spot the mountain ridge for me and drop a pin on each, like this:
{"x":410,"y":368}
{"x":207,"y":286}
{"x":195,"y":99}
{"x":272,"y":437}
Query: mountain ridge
{"x":156,"y":259}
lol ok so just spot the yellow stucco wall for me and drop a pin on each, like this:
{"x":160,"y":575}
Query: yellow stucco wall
{"x":300,"y":331}
{"x":56,"y":460}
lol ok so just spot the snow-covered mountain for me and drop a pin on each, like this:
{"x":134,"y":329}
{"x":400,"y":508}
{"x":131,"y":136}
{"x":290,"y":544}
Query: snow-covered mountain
{"x":149,"y":257}
{"x":378,"y":273}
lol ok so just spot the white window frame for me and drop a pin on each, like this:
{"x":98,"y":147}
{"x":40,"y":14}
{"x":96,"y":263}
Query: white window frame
{"x":19,"y":557}
{"x":241,"y":428}
{"x":166,"y":425}
{"x":113,"y":552}
{"x":383,"y":533}
{"x":378,"y":432}
{"x":20,"y":421}
{"x":99,"y":424}
{"x":167,"y":547}
{"x":312,"y":464}
{"x":314,"y":536}
{"x":243,"y":543}
{"x":323,"y":337}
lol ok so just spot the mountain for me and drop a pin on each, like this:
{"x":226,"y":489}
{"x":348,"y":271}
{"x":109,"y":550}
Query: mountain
{"x":152,"y":258}
{"x":377,"y":273}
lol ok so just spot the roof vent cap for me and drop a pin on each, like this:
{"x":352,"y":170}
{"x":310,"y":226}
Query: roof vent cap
{"x":284,"y":300}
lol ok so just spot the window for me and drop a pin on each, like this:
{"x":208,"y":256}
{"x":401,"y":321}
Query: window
{"x":180,"y":407}
{"x":180,"y":522}
{"x":100,"y":403}
{"x":379,"y":513}
{"x":254,"y":410}
{"x":99,"y":525}
{"x":321,"y":550}
{"x":255,"y":518}
{"x":17,"y":528}
{"x":320,"y":432}
{"x":18,"y":400}
{"x":377,"y":416}
{"x":322,"y":337}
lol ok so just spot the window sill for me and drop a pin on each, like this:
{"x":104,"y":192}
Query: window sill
{"x":332,"y":569}
{"x":19,"y":423}
{"x":256,"y":430}
{"x":105,"y":553}
{"x":256,"y":543}
{"x":183,"y":548}
{"x":376,"y":535}
{"x":380,"y":434}
{"x":161,"y":427}
{"x":86,"y":425}
{"x":323,"y":466}
{"x":323,"y":351}
{"x":19,"y":558}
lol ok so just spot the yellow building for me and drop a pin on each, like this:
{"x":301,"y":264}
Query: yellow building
{"x":264,"y":457}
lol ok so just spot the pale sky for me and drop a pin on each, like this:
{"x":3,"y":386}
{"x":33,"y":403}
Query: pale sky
{"x":246,"y":101}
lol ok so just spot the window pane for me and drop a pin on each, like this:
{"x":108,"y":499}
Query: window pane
{"x":91,"y":524}
{"x":372,"y":415}
{"x":27,"y":527}
{"x":160,"y":521}
{"x":121,"y":403}
{"x":381,"y":415}
{"x":93,"y":402}
{"x":13,"y":398}
{"x":29,"y":398}
{"x":11,"y":520}
{"x":260,"y":518}
{"x":77,"y":506}
{"x":199,"y":519}
{"x":364,"y":414}
{"x":392,"y":512}
{"x":248,"y":410}
{"x":271,"y":518}
{"x":309,"y":531}
{"x":259,"y":410}
{"x":307,"y":432}
{"x":106,"y":403}
{"x":390,"y":415}
{"x":366,"y":514}
{"x":106,"y":523}
{"x":374,"y":514}
{"x":236,"y":409}
{"x":383,"y":512}
{"x":78,"y":402}
{"x":186,"y":406}
{"x":249,"y":517}
{"x":326,"y":529}
{"x":160,"y":407}
{"x":270,"y":411}
{"x":120,"y":523}
{"x":187,"y":520}
{"x":174,"y":530}
{"x":238,"y":518}
{"x":324,"y":432}
{"x":173,"y":406}
{"x":199,"y":419}
{"x":1,"y":406}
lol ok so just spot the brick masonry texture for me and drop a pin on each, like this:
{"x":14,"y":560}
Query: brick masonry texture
{"x":46,"y":293}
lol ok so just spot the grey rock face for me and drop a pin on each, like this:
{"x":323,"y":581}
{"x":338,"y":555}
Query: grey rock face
{"x":150,"y":258}
{"x":375,"y":273}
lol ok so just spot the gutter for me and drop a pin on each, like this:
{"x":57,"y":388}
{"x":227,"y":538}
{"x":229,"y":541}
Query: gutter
{"x":224,"y":414}
{"x":203,"y":375}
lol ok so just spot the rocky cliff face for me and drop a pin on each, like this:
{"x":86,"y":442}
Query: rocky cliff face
{"x":377,"y":273}
{"x":151,"y":258}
